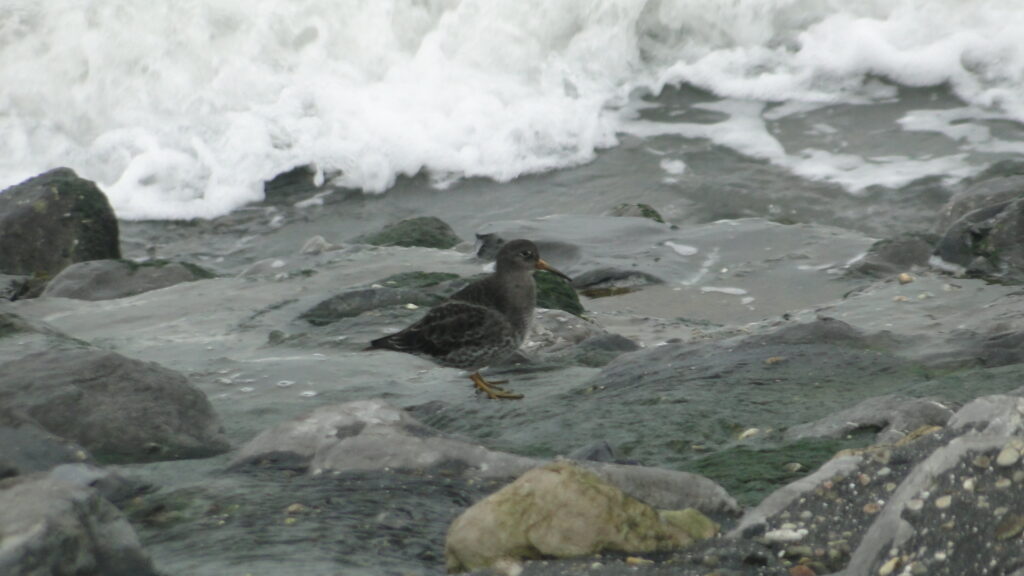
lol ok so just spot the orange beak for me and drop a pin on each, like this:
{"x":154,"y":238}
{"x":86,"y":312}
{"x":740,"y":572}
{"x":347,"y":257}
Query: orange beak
{"x":542,"y":265}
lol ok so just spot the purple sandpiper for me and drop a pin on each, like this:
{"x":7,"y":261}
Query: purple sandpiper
{"x":485,"y":322}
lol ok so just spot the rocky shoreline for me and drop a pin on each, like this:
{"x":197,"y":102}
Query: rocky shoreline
{"x":740,"y":396}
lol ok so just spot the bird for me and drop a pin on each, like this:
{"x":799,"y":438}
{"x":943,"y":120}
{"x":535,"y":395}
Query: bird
{"x":483,"y":323}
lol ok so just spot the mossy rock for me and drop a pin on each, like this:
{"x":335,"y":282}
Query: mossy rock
{"x":417,"y":279}
{"x":637,"y":210}
{"x":423,"y":231}
{"x":54,"y":220}
{"x":555,"y":293}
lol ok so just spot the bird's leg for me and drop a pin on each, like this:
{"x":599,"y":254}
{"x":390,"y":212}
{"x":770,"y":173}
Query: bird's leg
{"x":493,"y":392}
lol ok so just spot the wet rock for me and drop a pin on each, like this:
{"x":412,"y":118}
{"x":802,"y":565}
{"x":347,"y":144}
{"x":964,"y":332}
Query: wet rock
{"x":370,"y":435}
{"x":52,"y":526}
{"x":638,"y":211}
{"x":988,"y":242}
{"x":109,"y":279}
{"x":356,"y":302}
{"x":896,"y":255}
{"x":893,"y":416}
{"x":425,"y":231}
{"x":999,"y":183}
{"x":53,"y":220}
{"x":11,"y":287}
{"x":562,"y":510}
{"x":612,"y":281}
{"x":25,"y":447}
{"x":120,"y":409}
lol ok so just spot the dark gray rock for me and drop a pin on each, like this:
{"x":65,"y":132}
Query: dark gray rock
{"x":54,"y":220}
{"x":12,"y":287}
{"x":893,"y":416}
{"x":896,"y":255}
{"x":600,"y":349}
{"x":25,"y":447}
{"x":425,"y":231}
{"x":1001,"y":182}
{"x":53,"y":527}
{"x":109,"y":279}
{"x":356,"y":302}
{"x":988,"y":242}
{"x":612,"y":278}
{"x":120,"y":409}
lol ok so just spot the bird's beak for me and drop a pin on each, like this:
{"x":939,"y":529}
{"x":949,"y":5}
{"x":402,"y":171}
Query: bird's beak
{"x":542,"y":265}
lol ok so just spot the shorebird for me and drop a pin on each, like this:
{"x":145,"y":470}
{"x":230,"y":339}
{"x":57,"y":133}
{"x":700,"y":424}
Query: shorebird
{"x":485,"y":322}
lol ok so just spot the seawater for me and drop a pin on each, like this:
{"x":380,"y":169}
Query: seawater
{"x":183,"y":109}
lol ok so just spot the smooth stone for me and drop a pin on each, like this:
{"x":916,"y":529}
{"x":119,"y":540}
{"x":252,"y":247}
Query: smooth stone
{"x":110,"y":279}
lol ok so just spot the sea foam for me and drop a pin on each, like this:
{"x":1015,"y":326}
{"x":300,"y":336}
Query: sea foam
{"x":183,"y":109}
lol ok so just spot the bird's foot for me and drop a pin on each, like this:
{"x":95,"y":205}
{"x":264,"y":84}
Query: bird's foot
{"x":493,"y":392}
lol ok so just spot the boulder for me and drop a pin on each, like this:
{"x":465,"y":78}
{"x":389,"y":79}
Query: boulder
{"x":425,"y":231}
{"x":637,"y":210}
{"x":563,"y":510}
{"x":49,"y":526}
{"x":12,"y":287}
{"x":356,"y":302}
{"x":120,"y":409}
{"x":988,"y":242}
{"x":25,"y":447}
{"x":896,"y":255}
{"x":53,"y":220}
{"x":109,"y":279}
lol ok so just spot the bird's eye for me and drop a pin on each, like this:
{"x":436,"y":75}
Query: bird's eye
{"x":526,"y":254}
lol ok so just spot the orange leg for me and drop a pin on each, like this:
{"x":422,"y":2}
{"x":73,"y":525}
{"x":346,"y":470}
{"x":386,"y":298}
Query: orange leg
{"x":493,"y":392}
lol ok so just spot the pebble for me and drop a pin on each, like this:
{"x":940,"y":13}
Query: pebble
{"x":982,"y":461}
{"x":969,"y":484}
{"x":943,"y":502}
{"x":889,"y":567}
{"x":784,"y":535}
{"x":801,"y":570}
{"x":872,"y":508}
{"x":1018,"y":476}
{"x":905,"y":278}
{"x":915,"y":504}
{"x":637,"y":561}
{"x":1010,"y":526}
{"x":1003,"y":483}
{"x":1008,"y":456}
{"x":750,"y":433}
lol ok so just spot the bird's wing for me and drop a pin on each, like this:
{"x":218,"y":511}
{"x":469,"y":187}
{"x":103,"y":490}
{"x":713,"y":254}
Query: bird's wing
{"x":445,"y":328}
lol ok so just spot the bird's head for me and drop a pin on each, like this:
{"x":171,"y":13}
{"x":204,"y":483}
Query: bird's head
{"x":522,"y":255}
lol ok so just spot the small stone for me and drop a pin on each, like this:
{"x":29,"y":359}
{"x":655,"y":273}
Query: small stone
{"x":940,"y":555}
{"x":890,"y":486}
{"x":1010,"y":526}
{"x":982,"y":461}
{"x":872,"y":508}
{"x":864,"y":479}
{"x":783,"y":536}
{"x":1018,"y":476}
{"x":915,"y":504}
{"x":637,"y":561}
{"x":296,"y":509}
{"x":799,"y":551}
{"x":801,"y":570}
{"x":806,"y":515}
{"x":411,"y":306}
{"x":969,"y":484}
{"x":884,"y":471}
{"x":793,"y":467}
{"x":1008,"y":456}
{"x":710,"y":560}
{"x":889,"y":567}
{"x":1003,"y":483}
{"x":918,"y":569}
{"x":943,"y":502}
{"x":750,"y":433}
{"x":905,"y":278}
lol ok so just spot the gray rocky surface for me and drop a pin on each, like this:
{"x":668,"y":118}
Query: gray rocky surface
{"x":108,"y":279}
{"x":118,"y":408}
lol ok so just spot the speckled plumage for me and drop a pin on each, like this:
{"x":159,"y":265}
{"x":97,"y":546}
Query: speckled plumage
{"x":483,"y":323}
